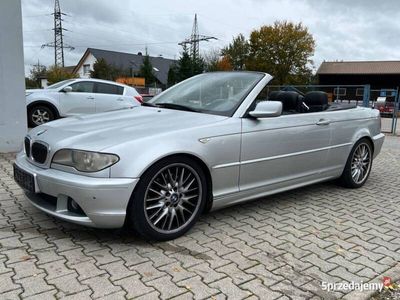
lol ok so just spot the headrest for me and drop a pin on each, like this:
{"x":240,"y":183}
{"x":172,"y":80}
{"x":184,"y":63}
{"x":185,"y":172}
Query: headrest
{"x":289,"y":100}
{"x":316,"y":98}
{"x":274,"y":95}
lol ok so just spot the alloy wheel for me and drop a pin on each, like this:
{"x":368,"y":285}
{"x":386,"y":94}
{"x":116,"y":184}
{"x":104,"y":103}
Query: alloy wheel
{"x":173,"y":198}
{"x":361,"y":163}
{"x":40,"y":116}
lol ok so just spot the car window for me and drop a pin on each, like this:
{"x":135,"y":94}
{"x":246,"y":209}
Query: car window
{"x":263,"y":95}
{"x":59,"y":84}
{"x":82,"y":87}
{"x":105,"y":88}
{"x":217,"y":93}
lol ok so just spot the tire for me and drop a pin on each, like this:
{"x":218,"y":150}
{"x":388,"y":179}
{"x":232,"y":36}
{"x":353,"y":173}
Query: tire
{"x":356,"y":161}
{"x":168,"y":199}
{"x":40,"y":114}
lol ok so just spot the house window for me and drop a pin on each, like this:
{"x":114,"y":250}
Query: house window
{"x":86,"y":69}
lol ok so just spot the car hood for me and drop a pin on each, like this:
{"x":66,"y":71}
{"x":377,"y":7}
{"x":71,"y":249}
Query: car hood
{"x":38,"y":90}
{"x":100,"y":131}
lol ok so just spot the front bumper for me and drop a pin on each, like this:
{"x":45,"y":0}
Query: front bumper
{"x":103,"y":200}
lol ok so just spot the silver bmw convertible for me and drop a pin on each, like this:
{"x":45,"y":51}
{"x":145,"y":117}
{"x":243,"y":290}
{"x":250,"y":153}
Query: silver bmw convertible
{"x":211,"y":141}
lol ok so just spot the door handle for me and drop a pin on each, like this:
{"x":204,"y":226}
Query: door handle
{"x":90,"y":97}
{"x":120,"y":99}
{"x":323,"y":122}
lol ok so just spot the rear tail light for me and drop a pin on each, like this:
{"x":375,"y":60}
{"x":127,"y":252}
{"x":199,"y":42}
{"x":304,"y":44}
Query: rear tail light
{"x":139,"y":98}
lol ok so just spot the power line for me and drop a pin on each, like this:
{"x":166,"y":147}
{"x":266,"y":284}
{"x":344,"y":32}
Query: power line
{"x":34,"y":16}
{"x":103,"y":45}
{"x":36,"y":30}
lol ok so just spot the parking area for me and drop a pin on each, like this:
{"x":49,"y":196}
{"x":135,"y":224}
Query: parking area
{"x":279,"y":247}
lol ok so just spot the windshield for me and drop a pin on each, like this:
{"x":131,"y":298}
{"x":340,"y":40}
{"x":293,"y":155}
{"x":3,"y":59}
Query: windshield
{"x":216,"y":93}
{"x":59,"y":84}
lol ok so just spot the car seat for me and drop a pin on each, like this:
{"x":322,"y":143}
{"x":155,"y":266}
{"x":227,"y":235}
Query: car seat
{"x":290,"y":101}
{"x":316,"y":101}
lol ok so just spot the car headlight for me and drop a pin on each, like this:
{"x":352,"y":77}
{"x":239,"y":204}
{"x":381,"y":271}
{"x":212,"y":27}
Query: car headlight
{"x":27,"y":94}
{"x":85,"y":161}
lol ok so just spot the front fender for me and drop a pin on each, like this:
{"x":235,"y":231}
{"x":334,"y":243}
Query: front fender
{"x":43,"y":100}
{"x":137,"y":157}
{"x":218,"y":146}
{"x":50,"y":97}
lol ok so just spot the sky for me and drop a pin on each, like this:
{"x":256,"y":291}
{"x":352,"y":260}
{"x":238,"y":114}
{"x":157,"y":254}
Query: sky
{"x":342,"y":29}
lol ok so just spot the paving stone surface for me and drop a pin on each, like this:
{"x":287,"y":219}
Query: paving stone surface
{"x":279,"y":247}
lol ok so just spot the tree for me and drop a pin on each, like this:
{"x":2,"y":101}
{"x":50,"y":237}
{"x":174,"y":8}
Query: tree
{"x":106,"y":71}
{"x":56,"y":74}
{"x":173,"y":74}
{"x":35,"y":73}
{"x":237,"y":52}
{"x":186,"y":67}
{"x":224,"y":64}
{"x":215,"y":62}
{"x":146,"y":70}
{"x":182,"y":70}
{"x":30,"y":84}
{"x":198,"y":65}
{"x":283,"y":50}
{"x":211,"y":60}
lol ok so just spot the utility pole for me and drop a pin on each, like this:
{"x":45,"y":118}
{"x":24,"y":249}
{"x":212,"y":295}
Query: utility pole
{"x":194,"y":40}
{"x":58,"y":43}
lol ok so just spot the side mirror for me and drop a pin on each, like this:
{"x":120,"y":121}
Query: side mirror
{"x":267,"y":109}
{"x":67,"y":89}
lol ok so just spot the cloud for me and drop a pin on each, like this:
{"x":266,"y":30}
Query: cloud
{"x":343,"y":30}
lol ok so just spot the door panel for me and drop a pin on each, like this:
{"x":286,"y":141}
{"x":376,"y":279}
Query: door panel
{"x":80,"y":101}
{"x":283,"y":148}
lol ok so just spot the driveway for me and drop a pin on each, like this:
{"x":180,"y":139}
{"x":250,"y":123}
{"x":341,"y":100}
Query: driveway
{"x":279,"y":247}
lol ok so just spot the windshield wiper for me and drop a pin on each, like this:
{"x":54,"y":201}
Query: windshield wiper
{"x":177,"y":106}
{"x":148,"y":104}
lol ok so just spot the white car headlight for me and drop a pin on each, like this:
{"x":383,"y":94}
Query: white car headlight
{"x":84,"y":161}
{"x":27,"y":94}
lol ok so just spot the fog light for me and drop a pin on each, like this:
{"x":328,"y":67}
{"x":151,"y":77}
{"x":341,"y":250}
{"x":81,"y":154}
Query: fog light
{"x":74,"y":207}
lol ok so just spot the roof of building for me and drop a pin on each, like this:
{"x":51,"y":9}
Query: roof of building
{"x":69,"y":69}
{"x":359,"y":67}
{"x":127,"y":61}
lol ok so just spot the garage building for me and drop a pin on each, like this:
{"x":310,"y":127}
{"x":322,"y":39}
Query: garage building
{"x":378,"y":74}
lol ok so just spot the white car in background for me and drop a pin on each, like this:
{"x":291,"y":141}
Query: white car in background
{"x":78,"y":96}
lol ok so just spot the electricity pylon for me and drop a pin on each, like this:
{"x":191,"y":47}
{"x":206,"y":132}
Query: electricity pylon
{"x":195,"y":39}
{"x":58,"y":43}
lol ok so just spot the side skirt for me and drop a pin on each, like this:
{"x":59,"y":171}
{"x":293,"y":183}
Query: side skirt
{"x":247,"y":195}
